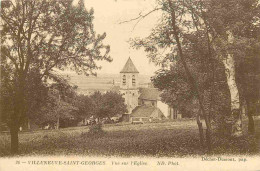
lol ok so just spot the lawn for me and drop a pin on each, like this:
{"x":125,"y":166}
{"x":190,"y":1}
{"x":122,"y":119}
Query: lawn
{"x":169,"y":139}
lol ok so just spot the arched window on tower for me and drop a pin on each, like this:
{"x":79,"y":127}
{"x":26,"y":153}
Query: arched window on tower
{"x":133,"y":80}
{"x":124,"y":80}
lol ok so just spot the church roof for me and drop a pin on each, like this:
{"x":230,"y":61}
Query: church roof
{"x":149,"y":94}
{"x":129,"y":67}
{"x":146,"y":111}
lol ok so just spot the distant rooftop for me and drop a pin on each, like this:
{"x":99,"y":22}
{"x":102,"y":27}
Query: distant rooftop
{"x":147,"y":111}
{"x":129,"y":67}
{"x":149,"y":93}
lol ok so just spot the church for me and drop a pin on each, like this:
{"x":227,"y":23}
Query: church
{"x":143,"y":104}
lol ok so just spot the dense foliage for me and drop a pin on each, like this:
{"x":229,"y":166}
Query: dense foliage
{"x":201,"y":28}
{"x":37,"y":37}
{"x":100,"y":105}
{"x":202,"y":47}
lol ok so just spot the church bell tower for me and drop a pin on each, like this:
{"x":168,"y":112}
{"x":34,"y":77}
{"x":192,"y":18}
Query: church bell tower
{"x":129,"y":85}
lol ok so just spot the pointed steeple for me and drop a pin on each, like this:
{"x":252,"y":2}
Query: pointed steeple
{"x":129,"y":67}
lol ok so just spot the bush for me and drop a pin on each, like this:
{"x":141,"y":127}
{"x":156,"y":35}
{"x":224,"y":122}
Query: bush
{"x":4,"y":144}
{"x":95,"y":130}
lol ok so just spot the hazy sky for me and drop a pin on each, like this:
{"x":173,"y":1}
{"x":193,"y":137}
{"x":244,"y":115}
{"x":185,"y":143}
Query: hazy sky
{"x":108,"y":14}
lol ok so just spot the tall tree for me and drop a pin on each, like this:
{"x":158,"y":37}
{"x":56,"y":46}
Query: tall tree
{"x":85,"y":107}
{"x":226,"y":25}
{"x":108,"y":104}
{"x":113,"y":104}
{"x":231,"y":23}
{"x":44,"y":35}
{"x":248,"y":76}
{"x":168,"y":35}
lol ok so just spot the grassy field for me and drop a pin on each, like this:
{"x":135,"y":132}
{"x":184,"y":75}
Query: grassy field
{"x":169,"y":139}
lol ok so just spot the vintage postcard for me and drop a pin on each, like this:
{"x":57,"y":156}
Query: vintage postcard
{"x":130,"y":85}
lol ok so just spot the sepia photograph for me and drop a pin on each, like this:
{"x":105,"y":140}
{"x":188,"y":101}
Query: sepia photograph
{"x":130,"y":84}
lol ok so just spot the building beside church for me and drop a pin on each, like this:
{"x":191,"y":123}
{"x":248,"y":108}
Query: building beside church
{"x":142,"y":103}
{"x":146,"y":113}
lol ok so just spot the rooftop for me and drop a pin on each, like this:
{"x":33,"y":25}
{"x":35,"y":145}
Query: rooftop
{"x":129,"y":67}
{"x":146,"y":111}
{"x":149,"y":94}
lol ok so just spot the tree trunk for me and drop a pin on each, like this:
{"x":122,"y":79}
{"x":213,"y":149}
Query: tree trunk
{"x":28,"y":124}
{"x":58,"y":123}
{"x":199,"y":123}
{"x":17,"y":117}
{"x":251,"y":124}
{"x":14,"y":139}
{"x":188,"y":73}
{"x":208,"y":139}
{"x":229,"y":64}
{"x":57,"y":112}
